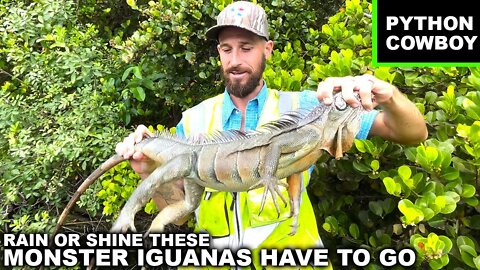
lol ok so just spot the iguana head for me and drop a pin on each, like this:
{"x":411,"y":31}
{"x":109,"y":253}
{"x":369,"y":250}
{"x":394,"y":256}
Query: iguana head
{"x":341,"y":123}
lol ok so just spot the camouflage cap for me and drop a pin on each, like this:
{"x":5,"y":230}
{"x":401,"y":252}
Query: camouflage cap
{"x":242,"y":14}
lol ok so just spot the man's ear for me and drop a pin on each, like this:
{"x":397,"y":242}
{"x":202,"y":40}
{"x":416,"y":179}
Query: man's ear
{"x":268,"y":48}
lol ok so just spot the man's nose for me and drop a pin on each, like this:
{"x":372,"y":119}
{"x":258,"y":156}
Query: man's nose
{"x":235,"y":58}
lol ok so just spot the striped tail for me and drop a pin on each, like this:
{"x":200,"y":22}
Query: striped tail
{"x":107,"y":165}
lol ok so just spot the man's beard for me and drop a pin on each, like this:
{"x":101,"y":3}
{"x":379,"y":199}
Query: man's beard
{"x":240,"y":90}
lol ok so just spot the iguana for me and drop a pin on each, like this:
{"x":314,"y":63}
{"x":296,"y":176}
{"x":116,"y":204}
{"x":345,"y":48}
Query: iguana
{"x":236,"y":161}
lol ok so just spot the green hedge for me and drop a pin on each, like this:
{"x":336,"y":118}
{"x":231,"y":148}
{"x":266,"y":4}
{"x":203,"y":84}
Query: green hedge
{"x":71,"y":90}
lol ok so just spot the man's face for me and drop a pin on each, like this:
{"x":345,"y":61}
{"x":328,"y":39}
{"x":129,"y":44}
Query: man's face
{"x":243,"y":56}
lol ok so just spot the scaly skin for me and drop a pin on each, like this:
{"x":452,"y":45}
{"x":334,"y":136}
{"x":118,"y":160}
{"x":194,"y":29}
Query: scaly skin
{"x":234,"y":161}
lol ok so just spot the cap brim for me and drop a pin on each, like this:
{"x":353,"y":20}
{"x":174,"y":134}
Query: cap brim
{"x":212,"y":32}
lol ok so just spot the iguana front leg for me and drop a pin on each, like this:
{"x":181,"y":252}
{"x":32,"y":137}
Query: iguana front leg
{"x":173,"y":169}
{"x":268,"y":176}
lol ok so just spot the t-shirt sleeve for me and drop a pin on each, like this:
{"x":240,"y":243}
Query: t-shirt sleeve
{"x":308,"y":100}
{"x":179,"y":130}
{"x":366,"y":124}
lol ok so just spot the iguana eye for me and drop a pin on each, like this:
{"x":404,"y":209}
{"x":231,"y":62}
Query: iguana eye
{"x":340,"y":103}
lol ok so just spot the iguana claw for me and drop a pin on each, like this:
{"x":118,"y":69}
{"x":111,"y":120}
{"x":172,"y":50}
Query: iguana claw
{"x":294,"y":225}
{"x":123,"y":224}
{"x":271,"y":185}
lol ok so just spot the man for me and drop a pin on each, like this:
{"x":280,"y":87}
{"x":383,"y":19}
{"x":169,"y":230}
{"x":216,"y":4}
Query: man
{"x":243,"y":45}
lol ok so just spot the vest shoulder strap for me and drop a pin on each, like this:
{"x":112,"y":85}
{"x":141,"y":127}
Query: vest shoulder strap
{"x":204,"y":117}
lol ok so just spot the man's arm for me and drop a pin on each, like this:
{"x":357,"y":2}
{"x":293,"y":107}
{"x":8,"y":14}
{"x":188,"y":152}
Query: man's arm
{"x":400,"y":121}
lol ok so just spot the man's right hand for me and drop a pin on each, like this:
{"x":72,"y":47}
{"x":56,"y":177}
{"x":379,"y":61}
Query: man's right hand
{"x":166,"y":194}
{"x":139,"y":162}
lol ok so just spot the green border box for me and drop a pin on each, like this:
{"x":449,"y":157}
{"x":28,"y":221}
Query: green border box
{"x":375,"y":62}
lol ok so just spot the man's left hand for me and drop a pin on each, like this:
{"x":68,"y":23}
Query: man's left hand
{"x":372,"y":91}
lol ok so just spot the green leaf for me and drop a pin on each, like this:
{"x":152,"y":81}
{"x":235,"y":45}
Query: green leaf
{"x":119,"y":179}
{"x":327,"y":227}
{"x":450,"y":173}
{"x":440,"y":201}
{"x":431,"y":153}
{"x":472,"y":201}
{"x":463,"y":130}
{"x":297,"y":74}
{"x":150,"y":207}
{"x":473,"y":222}
{"x":473,"y":110}
{"x":465,"y":240}
{"x":446,"y":160}
{"x":370,"y":148}
{"x":411,"y":153}
{"x":375,"y":165}
{"x":148,"y":84}
{"x":137,"y":73}
{"x":132,"y":3}
{"x":430,"y":97}
{"x":439,"y":263}
{"x":412,"y":214}
{"x":327,"y":30}
{"x":447,"y":243}
{"x":364,"y":217}
{"x":467,"y":253}
{"x":450,"y":205}
{"x":428,"y":213}
{"x":421,"y":157}
{"x":397,"y":229}
{"x":376,"y":208}
{"x":102,"y":194}
{"x":126,"y":73}
{"x":467,"y":250}
{"x":197,"y":14}
{"x":384,"y":239}
{"x":404,"y":172}
{"x":418,"y":180}
{"x":468,"y":191}
{"x":138,"y":93}
{"x":331,"y":224}
{"x":390,"y":185}
{"x":324,"y":49}
{"x":388,"y":205}
{"x":354,"y":230}
{"x":409,"y":183}
{"x":383,"y":73}
{"x":476,"y":262}
{"x":359,"y":166}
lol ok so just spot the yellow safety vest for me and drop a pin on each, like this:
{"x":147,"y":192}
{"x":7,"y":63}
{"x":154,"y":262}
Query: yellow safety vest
{"x":216,"y":212}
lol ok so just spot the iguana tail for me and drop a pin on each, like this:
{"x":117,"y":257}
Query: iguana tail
{"x":107,"y":165}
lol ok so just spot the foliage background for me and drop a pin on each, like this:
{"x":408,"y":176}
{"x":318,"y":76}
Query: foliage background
{"x":77,"y":76}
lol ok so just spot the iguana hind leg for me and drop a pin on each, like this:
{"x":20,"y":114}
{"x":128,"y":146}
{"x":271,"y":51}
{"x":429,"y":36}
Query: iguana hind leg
{"x":294,"y":192}
{"x":176,"y":168}
{"x":175,"y":211}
